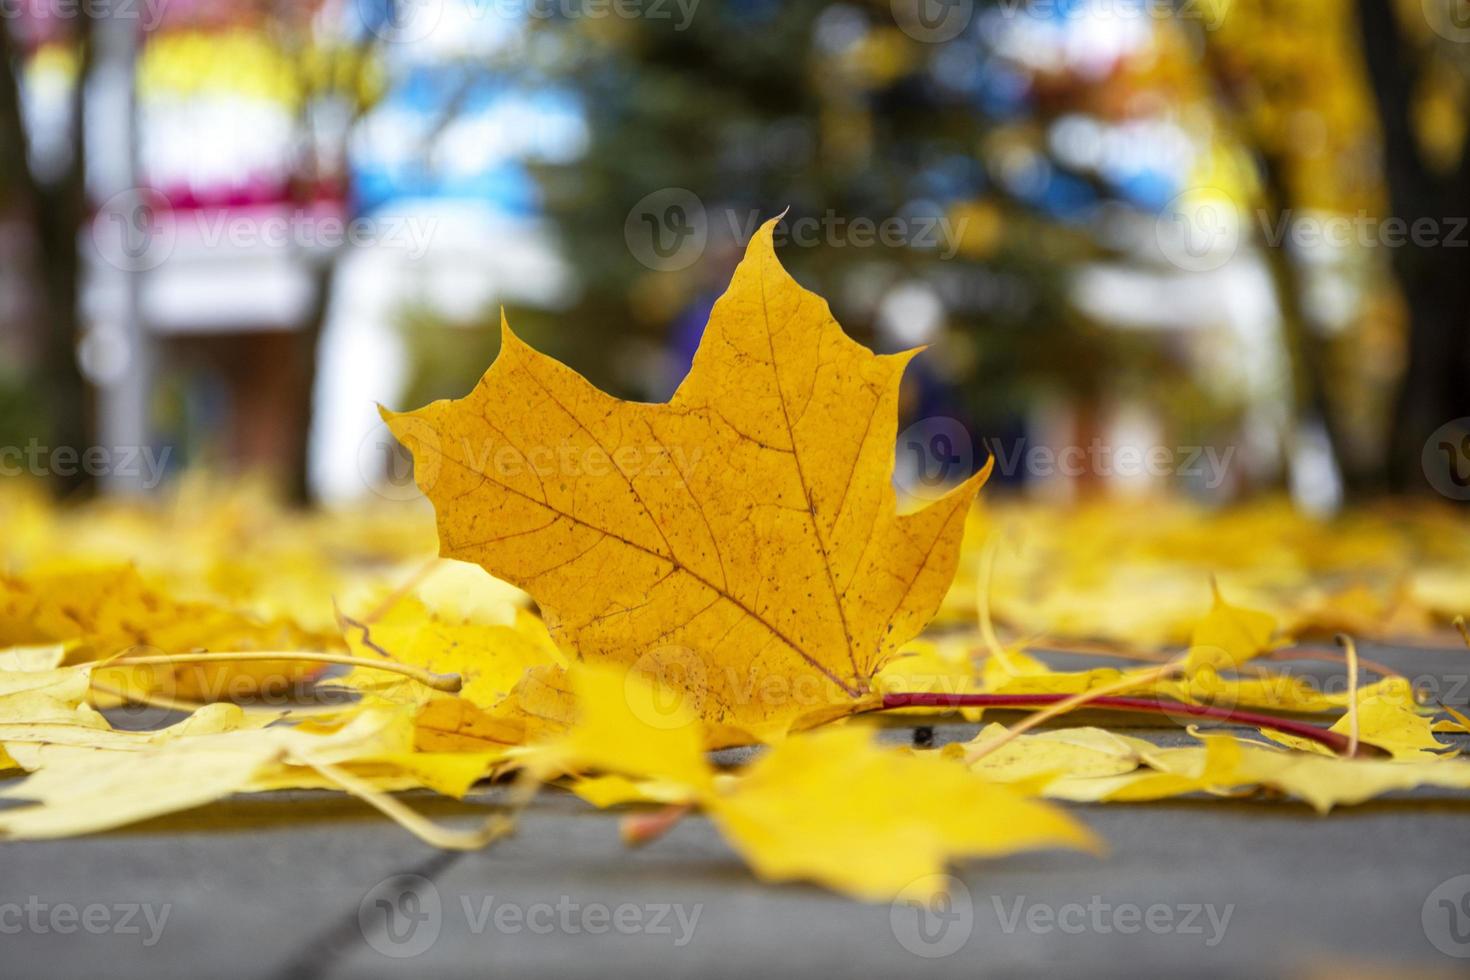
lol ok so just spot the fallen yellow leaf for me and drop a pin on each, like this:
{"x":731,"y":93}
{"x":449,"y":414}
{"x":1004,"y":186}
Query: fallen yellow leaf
{"x":1229,"y":635}
{"x":831,"y":806}
{"x":745,"y":535}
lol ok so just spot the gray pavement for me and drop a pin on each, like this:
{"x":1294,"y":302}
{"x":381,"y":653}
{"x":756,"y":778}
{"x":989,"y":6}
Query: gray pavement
{"x":313,"y":884}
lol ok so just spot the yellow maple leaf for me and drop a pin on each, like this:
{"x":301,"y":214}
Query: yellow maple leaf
{"x":490,"y":658}
{"x":626,"y":726}
{"x":808,"y":806}
{"x":613,"y":790}
{"x":447,"y":773}
{"x":100,"y":610}
{"x":1390,"y":718}
{"x":469,"y":625}
{"x":745,"y":535}
{"x":940,"y":665}
{"x":43,"y":739}
{"x":105,"y":778}
{"x":872,"y":822}
{"x":86,"y":788}
{"x":1225,"y":764}
{"x":1080,"y":752}
{"x":40,"y":698}
{"x":1229,"y":635}
{"x":85,"y":791}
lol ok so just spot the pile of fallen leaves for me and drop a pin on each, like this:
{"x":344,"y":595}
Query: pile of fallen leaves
{"x":730,"y":568}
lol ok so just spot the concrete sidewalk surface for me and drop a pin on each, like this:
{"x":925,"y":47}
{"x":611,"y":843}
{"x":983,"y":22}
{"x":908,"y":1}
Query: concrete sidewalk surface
{"x":307,"y":884}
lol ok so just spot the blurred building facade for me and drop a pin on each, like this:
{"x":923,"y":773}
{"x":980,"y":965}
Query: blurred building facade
{"x":282,"y":214}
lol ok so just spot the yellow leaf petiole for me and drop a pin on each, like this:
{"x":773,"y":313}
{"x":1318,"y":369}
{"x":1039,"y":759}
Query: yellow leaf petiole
{"x":449,"y":683}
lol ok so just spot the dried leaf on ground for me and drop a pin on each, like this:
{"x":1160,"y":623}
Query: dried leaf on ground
{"x":747,"y":530}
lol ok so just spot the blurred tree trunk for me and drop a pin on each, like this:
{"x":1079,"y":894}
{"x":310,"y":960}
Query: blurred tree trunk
{"x":1306,"y":350}
{"x":1310,"y":374}
{"x":308,"y":343}
{"x":1434,"y":280}
{"x":57,"y":211}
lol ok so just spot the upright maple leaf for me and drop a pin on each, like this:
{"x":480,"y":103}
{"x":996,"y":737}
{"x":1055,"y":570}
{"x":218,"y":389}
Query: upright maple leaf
{"x":742,"y":541}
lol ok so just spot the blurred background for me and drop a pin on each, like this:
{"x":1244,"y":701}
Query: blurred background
{"x":1212,"y":248}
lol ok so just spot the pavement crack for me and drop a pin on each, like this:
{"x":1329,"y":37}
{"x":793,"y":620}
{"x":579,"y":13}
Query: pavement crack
{"x":333,"y":945}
